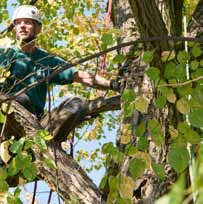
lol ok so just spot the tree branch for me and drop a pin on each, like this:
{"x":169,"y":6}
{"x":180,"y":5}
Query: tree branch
{"x":72,"y":180}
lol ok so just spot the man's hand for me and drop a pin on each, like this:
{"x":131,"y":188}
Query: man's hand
{"x":115,"y":85}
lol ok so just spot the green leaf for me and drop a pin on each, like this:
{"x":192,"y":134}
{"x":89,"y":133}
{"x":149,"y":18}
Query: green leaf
{"x":41,"y":144}
{"x":28,"y":144}
{"x":194,"y":64}
{"x":17,"y":192}
{"x":2,"y":117}
{"x":148,"y":56}
{"x":17,"y":146}
{"x":169,"y":71}
{"x":30,"y":172}
{"x":4,"y":187}
{"x":183,"y":57}
{"x":160,"y":101}
{"x":3,"y":174}
{"x":178,"y":158}
{"x":124,"y":201}
{"x":103,"y":182}
{"x":140,"y":130}
{"x":128,"y":95}
{"x":113,"y":183}
{"x":142,"y":143}
{"x":158,"y":170}
{"x":13,"y":168}
{"x":137,"y":167}
{"x":171,"y":97}
{"x":107,"y":39}
{"x":153,"y":73}
{"x":119,"y":58}
{"x":183,"y":106}
{"x":180,"y":73}
{"x":192,"y":136}
{"x":117,"y":156}
{"x":129,"y":109}
{"x":201,"y":63}
{"x":196,"y":118}
{"x":126,"y":187}
{"x":186,"y":90}
{"x":141,"y":104}
{"x":155,"y":132}
{"x":196,"y":51}
{"x":182,"y":127}
{"x":44,"y":134}
{"x":23,"y":160}
{"x":108,"y":148}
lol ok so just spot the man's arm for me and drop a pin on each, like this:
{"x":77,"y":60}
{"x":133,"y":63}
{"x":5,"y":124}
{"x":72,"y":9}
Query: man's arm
{"x":91,"y":80}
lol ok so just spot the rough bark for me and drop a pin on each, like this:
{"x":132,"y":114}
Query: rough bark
{"x":69,"y":179}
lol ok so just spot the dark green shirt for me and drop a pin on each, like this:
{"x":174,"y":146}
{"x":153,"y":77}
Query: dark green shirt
{"x":27,"y":68}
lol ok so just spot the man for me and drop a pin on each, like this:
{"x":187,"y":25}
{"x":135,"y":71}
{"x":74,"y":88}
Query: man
{"x":27,"y":64}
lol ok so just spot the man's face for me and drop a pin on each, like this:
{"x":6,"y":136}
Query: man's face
{"x":26,"y":29}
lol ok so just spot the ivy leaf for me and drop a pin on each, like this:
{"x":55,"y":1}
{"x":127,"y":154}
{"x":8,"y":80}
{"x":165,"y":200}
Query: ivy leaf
{"x":13,"y":167}
{"x":126,"y":186}
{"x":194,"y":64}
{"x":148,"y":56}
{"x":41,"y":144}
{"x":124,"y":201}
{"x":183,"y":127}
{"x":178,"y":158}
{"x":153,"y":73}
{"x":183,"y":106}
{"x":142,"y":143}
{"x":140,"y":130}
{"x":119,"y":58}
{"x":137,"y":167}
{"x":4,"y":187}
{"x":141,"y":104}
{"x":128,"y":95}
{"x":160,"y":101}
{"x":192,"y":136}
{"x":3,"y":174}
{"x":169,"y":71}
{"x":196,"y":51}
{"x":171,"y":97}
{"x":108,"y":148}
{"x":158,"y":170}
{"x":30,"y":172}
{"x":17,"y":146}
{"x":196,"y":118}
{"x":4,"y":153}
{"x":155,"y":131}
{"x":107,"y":39}
{"x":44,"y":134}
{"x":129,"y":109}
{"x":183,"y":57}
{"x":2,"y":117}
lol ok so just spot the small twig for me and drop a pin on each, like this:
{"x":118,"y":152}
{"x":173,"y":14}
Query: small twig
{"x":34,"y":192}
{"x":49,"y":198}
{"x":180,"y":84}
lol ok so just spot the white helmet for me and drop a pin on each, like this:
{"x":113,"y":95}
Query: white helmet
{"x":27,"y":11}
